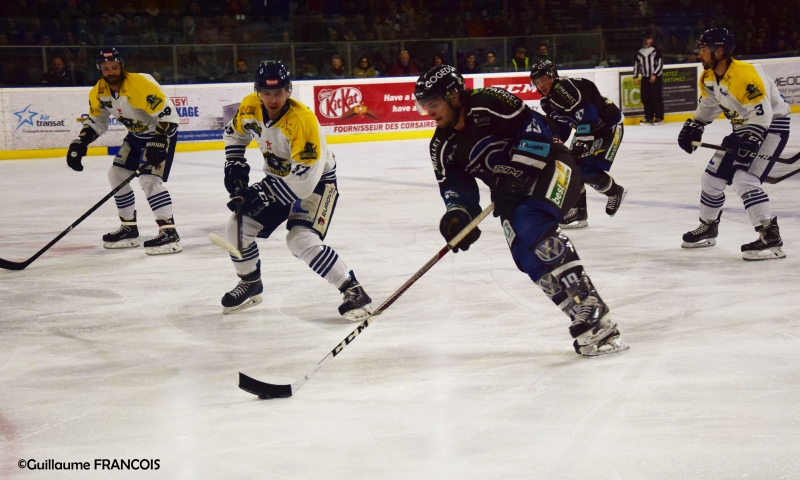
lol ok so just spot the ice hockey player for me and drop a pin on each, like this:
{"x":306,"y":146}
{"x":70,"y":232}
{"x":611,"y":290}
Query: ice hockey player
{"x":493,"y":136}
{"x":137,"y":102}
{"x":760,"y":117}
{"x":576,"y":103}
{"x":300,"y":186}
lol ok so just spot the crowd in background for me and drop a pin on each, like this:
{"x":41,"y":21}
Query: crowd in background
{"x":327,"y":35}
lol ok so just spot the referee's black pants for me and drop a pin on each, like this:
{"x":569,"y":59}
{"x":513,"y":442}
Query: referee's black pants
{"x":652,"y":99}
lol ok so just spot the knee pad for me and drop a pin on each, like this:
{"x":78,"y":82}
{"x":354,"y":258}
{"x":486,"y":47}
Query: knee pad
{"x":563,"y":264}
{"x":744,"y":181}
{"x":302,"y":239}
{"x":713,"y":186}
{"x":117,"y":175}
{"x":151,"y":184}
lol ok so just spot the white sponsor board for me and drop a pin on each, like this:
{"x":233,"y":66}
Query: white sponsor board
{"x":786,"y":76}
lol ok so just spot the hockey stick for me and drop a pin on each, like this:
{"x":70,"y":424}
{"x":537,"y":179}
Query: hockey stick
{"x":8,"y":265}
{"x":222,"y":242}
{"x":787,"y":161}
{"x":774,"y":180}
{"x":269,"y":390}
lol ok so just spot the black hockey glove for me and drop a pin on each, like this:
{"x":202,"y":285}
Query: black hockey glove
{"x":253,"y":199}
{"x":77,"y":150}
{"x":744,"y":147}
{"x":509,"y":186}
{"x":453,"y":221}
{"x":582,"y":147}
{"x":692,"y":131}
{"x":236,"y":170}
{"x":156,"y":150}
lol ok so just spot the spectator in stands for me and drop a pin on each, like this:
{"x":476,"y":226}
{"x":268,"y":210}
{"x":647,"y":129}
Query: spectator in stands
{"x":520,"y":62}
{"x":491,"y":65}
{"x":336,"y":68}
{"x":240,"y":74}
{"x":403,"y":66}
{"x":675,"y":50}
{"x":469,"y":65}
{"x":438,"y":59}
{"x":542,"y":53}
{"x":57,"y":75}
{"x":364,"y":68}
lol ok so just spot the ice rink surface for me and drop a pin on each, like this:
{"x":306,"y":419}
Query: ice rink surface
{"x":470,"y":375}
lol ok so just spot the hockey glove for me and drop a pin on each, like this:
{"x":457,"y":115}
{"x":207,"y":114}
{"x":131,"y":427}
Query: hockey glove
{"x":253,"y":199}
{"x":692,"y":131}
{"x":509,"y":186}
{"x":744,"y":147}
{"x":582,"y":147}
{"x":237,"y":169}
{"x":156,"y":150}
{"x":452,"y":223}
{"x":77,"y":150}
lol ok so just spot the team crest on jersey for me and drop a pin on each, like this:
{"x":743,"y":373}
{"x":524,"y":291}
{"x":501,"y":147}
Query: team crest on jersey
{"x":132,"y":126}
{"x":753,"y":92}
{"x":153,"y":101}
{"x":248,"y":110}
{"x":558,"y":185}
{"x":277,"y":165}
{"x":255,"y":129}
{"x":104,"y":104}
{"x":309,"y":152}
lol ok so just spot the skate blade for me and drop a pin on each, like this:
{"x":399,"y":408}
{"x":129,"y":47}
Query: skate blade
{"x":772,"y":253}
{"x":130,"y":243}
{"x":358,"y":314}
{"x":163,"y":249}
{"x":612,"y":345}
{"x":701,"y":244}
{"x":624,"y":193}
{"x":575,"y":224}
{"x":250,"y":302}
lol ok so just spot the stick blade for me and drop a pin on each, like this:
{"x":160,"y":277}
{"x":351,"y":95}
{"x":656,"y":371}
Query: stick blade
{"x":12,"y":265}
{"x":263,"y":390}
{"x":225,"y":245}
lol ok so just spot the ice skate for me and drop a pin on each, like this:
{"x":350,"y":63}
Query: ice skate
{"x":357,"y":304}
{"x":645,"y":121}
{"x":576,"y":217}
{"x":703,"y":236}
{"x":594,"y":332}
{"x":615,"y":200}
{"x":769,"y":243}
{"x":166,"y":241}
{"x":246,"y":294}
{"x":127,"y":236}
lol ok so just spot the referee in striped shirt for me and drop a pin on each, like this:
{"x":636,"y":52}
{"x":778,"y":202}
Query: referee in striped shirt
{"x":649,"y":65}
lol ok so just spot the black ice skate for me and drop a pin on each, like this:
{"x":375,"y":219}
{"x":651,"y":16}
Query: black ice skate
{"x":768,"y":245}
{"x":126,"y":237}
{"x":356,"y":305}
{"x":615,"y":199}
{"x":576,"y":217}
{"x":166,"y":241}
{"x":594,"y":332}
{"x":246,"y":294}
{"x":703,"y":236}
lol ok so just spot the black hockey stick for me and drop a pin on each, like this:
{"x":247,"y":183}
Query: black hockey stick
{"x":269,"y":390}
{"x":8,"y":265}
{"x":787,"y":161}
{"x":774,"y":180}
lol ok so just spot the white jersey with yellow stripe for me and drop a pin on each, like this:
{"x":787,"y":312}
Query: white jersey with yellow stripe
{"x":140,"y":105}
{"x":296,"y":156}
{"x":746,"y":95}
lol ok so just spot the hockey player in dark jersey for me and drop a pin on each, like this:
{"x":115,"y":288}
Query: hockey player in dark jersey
{"x":576,"y":103}
{"x":492,"y":136}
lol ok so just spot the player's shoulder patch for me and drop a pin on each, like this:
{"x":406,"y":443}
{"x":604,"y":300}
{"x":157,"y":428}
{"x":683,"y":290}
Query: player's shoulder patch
{"x":310,"y":152}
{"x":752,"y":92}
{"x":495,"y":95}
{"x":744,"y":82}
{"x":250,"y":105}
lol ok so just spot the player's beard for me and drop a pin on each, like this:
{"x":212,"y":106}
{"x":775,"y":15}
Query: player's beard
{"x":114,"y":80}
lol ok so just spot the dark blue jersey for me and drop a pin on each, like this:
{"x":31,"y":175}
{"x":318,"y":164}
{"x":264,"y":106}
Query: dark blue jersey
{"x":499,"y":130}
{"x":577,"y":103}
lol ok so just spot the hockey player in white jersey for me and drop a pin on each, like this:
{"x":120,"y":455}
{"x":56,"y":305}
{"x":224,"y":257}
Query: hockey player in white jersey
{"x":300,"y":186}
{"x":760,"y":118}
{"x":137,"y":102}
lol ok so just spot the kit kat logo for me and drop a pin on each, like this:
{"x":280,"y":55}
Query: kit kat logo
{"x":335,"y":103}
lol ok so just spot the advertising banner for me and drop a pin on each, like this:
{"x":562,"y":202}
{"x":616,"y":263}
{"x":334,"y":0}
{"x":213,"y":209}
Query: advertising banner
{"x":679,"y":91}
{"x":519,"y":85}
{"x":787,"y":78}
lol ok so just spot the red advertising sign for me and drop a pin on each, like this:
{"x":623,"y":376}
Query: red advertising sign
{"x":519,"y":85}
{"x":369,"y":108}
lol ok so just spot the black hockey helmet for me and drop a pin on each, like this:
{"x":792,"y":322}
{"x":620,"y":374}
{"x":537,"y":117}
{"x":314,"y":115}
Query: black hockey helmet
{"x":108,"y":55}
{"x":648,"y":34}
{"x":716,"y":37}
{"x":439,"y":81}
{"x":542,"y":68}
{"x":272,"y":76}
